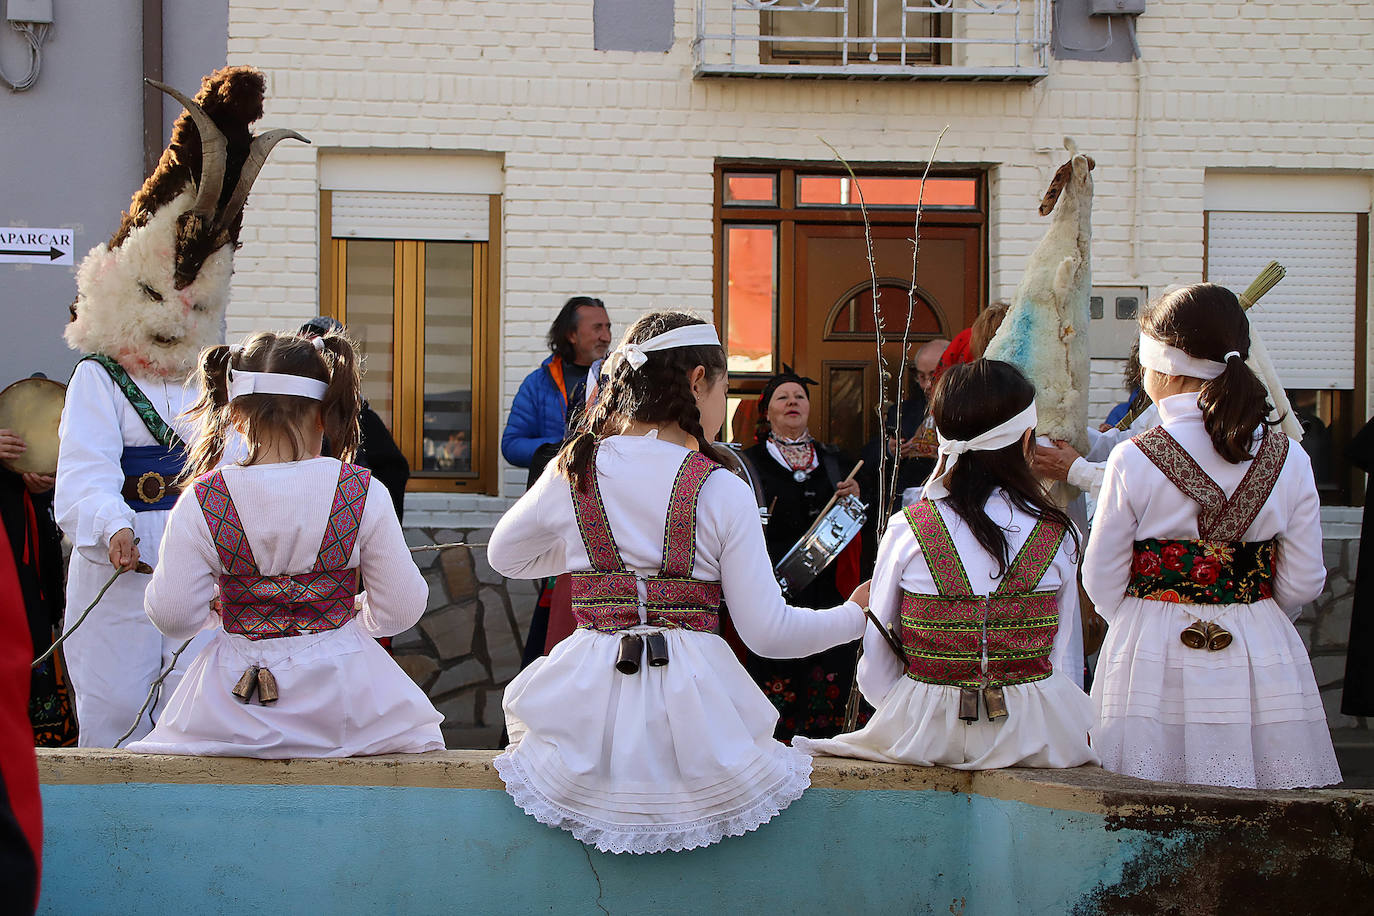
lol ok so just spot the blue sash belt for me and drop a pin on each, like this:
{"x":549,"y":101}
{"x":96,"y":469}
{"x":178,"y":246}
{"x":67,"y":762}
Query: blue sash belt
{"x":149,"y":472}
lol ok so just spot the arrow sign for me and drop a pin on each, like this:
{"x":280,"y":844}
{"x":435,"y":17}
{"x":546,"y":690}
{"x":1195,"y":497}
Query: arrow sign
{"x":22,"y":245}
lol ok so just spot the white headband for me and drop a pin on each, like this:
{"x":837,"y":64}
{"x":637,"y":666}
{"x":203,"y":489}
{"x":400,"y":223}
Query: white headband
{"x":692,"y":335}
{"x":950,"y":449}
{"x":1161,"y":357}
{"x":241,"y":383}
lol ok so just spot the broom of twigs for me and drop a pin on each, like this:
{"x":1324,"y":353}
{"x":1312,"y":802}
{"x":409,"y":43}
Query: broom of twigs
{"x":887,"y":480}
{"x":1268,"y":278}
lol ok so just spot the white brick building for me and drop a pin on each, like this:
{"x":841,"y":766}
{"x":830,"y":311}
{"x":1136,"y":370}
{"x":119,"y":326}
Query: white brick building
{"x":602,"y":174}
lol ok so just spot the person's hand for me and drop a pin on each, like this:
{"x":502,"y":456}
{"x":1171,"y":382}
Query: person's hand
{"x":860,"y":595}
{"x":1054,"y":461}
{"x":847,"y":488}
{"x":1104,"y":427}
{"x":39,"y":483}
{"x":123,"y":550}
{"x":11,"y":445}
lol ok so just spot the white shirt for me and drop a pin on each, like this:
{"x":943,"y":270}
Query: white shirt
{"x":1138,"y":502}
{"x":539,"y":537}
{"x":283,"y":509}
{"x":1087,"y":471}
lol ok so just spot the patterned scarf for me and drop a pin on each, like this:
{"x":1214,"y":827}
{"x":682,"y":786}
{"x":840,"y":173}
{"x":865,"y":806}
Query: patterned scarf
{"x":800,"y":453}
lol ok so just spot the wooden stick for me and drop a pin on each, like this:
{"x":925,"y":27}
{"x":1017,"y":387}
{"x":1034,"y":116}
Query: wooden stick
{"x":835,"y":497}
{"x":140,"y":568}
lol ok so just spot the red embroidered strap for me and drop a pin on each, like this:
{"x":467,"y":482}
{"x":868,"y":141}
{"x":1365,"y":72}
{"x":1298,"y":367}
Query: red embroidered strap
{"x":1183,"y":472}
{"x":345,"y":518}
{"x":1220,"y":518}
{"x":590,"y":511}
{"x":1033,"y":560}
{"x":951,"y":581}
{"x":226,"y":531}
{"x":680,"y":529}
{"x":1254,"y":489}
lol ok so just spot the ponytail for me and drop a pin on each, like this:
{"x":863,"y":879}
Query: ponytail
{"x":342,"y":401}
{"x":1234,"y":405}
{"x":211,"y":412}
{"x":1206,"y":321}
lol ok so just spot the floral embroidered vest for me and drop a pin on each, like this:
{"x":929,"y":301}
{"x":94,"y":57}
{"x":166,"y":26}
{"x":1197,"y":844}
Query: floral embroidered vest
{"x":606,"y":598}
{"x":268,"y":607}
{"x":1217,"y":567}
{"x":960,"y":639}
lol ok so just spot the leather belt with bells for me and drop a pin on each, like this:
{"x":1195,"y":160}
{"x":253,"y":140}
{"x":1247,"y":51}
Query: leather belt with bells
{"x":150,"y":487}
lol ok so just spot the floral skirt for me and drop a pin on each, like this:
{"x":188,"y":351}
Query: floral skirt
{"x":809,"y":693}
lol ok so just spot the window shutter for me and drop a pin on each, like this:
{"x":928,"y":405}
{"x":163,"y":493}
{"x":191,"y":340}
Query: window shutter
{"x":410,"y":215}
{"x":1307,"y":322}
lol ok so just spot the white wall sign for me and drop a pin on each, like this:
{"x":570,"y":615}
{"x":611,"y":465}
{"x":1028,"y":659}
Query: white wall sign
{"x":22,"y":245}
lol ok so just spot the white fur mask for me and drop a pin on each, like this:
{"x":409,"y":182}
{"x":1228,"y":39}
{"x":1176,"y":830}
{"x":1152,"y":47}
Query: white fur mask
{"x":127,"y":306}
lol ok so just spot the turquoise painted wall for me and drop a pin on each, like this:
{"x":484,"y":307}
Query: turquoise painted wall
{"x":277,"y":850}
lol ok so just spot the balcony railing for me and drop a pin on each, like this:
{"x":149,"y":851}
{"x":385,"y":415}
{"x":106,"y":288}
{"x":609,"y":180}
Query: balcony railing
{"x":873,"y":39}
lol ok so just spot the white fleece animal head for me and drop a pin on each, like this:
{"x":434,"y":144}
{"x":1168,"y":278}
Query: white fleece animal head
{"x":128,"y":307}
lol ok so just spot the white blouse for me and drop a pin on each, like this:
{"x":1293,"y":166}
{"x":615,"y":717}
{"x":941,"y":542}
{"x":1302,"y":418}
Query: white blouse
{"x":539,"y":537}
{"x":1138,"y":502}
{"x":283,"y":509}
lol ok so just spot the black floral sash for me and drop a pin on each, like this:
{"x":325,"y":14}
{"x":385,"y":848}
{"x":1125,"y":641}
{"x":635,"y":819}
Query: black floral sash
{"x":1202,"y":571}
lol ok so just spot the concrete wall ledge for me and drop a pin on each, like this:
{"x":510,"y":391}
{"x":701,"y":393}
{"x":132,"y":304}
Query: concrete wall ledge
{"x":435,"y":833}
{"x":1087,"y":789}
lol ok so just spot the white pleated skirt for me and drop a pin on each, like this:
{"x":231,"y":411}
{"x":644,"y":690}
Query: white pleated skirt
{"x":1249,"y":715}
{"x":667,"y":759}
{"x":1047,"y":725}
{"x":341,"y":695}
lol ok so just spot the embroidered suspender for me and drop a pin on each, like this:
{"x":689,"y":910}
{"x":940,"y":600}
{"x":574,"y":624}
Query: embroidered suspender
{"x":1217,"y":567}
{"x":947,"y":636}
{"x":607,"y":598}
{"x":265,"y":607}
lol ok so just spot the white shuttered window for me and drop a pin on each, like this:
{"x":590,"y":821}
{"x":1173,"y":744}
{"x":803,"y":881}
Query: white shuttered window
{"x":1307,"y":322}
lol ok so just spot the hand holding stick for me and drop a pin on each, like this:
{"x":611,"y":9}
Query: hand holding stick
{"x":139,"y":567}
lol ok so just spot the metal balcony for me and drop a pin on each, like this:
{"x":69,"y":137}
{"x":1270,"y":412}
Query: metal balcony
{"x":1005,"y":40}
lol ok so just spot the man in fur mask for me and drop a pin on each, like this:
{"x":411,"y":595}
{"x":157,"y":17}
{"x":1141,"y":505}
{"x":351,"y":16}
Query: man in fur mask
{"x":147,"y":303}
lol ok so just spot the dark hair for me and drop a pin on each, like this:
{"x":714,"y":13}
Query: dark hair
{"x":1133,"y":376}
{"x":1206,"y":322}
{"x":566,"y":323}
{"x":267,"y":416}
{"x":657,"y":392}
{"x":970,"y":399}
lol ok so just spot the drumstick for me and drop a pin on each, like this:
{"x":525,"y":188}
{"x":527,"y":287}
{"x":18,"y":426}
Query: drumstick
{"x":834,"y":497}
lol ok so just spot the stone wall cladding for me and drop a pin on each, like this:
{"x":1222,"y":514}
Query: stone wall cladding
{"x":467,"y":647}
{"x":609,"y":154}
{"x":1325,"y":628}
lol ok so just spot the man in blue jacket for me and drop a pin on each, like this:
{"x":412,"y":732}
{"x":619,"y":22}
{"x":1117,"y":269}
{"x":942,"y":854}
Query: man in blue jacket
{"x":579,"y":336}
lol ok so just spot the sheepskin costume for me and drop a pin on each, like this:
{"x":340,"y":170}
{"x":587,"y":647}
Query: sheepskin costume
{"x":156,"y":293}
{"x":1045,"y":333}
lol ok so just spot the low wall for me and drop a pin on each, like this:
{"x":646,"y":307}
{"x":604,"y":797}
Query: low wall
{"x":435,"y":833}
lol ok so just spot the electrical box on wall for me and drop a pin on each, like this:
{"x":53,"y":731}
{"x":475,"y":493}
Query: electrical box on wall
{"x":1116,"y":7}
{"x":1115,"y":327}
{"x":39,"y":11}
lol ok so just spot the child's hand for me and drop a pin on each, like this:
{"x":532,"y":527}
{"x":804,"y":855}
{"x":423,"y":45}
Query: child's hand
{"x":860,"y":596}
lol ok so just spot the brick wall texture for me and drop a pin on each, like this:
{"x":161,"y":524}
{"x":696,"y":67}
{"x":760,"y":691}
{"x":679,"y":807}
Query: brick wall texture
{"x":608,"y":155}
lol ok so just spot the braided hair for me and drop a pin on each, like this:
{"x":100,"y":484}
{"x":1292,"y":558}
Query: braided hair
{"x":659,"y":391}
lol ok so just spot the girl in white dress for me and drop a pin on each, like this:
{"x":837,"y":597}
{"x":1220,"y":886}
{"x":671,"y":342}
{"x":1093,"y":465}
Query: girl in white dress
{"x":641,"y":732}
{"x":1206,"y":544}
{"x":272,"y":551}
{"x":971,"y":587}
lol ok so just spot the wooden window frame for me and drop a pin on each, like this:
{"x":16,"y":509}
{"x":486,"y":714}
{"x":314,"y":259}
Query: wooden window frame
{"x":408,"y":347}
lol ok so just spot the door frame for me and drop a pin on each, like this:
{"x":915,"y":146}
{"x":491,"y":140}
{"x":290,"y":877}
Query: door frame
{"x":787,"y":215}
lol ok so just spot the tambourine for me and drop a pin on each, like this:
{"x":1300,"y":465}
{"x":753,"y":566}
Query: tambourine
{"x":31,"y":409}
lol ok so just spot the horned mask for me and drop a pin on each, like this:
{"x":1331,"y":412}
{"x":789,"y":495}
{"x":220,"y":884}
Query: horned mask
{"x":156,"y":293}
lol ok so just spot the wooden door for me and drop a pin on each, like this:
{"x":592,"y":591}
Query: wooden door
{"x":833,"y":336}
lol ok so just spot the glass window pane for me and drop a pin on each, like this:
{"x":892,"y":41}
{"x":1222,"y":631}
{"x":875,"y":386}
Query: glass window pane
{"x":741,"y":419}
{"x":845,"y":388}
{"x":448,"y":357}
{"x":368,"y":303}
{"x":750,"y":295}
{"x":878,"y":191}
{"x":750,"y":189}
